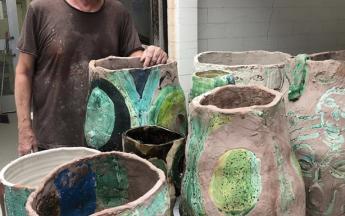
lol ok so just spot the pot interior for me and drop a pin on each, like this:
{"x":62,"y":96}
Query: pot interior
{"x":211,"y":73}
{"x":94,"y":184}
{"x":114,"y":63}
{"x":243,"y":58}
{"x":339,"y":55}
{"x":153,"y":135}
{"x":30,"y":170}
{"x":231,"y":98}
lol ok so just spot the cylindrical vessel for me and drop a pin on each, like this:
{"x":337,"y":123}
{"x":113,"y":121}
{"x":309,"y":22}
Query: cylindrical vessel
{"x":113,"y":183}
{"x":316,"y":114}
{"x":163,"y":147}
{"x":249,"y":67}
{"x":22,"y":176}
{"x":124,"y":95}
{"x":204,"y":81}
{"x":238,"y":157}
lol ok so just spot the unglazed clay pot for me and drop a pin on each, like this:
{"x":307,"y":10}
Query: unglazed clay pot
{"x":111,"y":183}
{"x":317,"y":122}
{"x":238,"y":158}
{"x":22,"y":176}
{"x":124,"y":95}
{"x":248,"y":68}
{"x":162,"y":147}
{"x":207,"y":80}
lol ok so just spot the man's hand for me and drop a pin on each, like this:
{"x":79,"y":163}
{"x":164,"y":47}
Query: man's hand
{"x":153,"y":55}
{"x":27,"y":141}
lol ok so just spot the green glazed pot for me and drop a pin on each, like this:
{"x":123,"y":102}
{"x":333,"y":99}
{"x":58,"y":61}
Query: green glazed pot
{"x":316,"y":114}
{"x":208,"y":80}
{"x":238,"y":157}
{"x":113,"y":183}
{"x":125,"y":95}
{"x":23,"y":175}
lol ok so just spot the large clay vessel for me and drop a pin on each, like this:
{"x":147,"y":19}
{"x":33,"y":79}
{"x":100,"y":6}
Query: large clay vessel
{"x":316,"y":112}
{"x":204,"y":81}
{"x":124,"y":95}
{"x":248,"y":68}
{"x":22,"y":176}
{"x":238,"y":157}
{"x":162,"y":147}
{"x":111,"y":183}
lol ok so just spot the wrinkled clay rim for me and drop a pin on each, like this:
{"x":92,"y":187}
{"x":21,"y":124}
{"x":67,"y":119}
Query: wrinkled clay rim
{"x":33,"y":155}
{"x":240,"y":110}
{"x":160,"y":182}
{"x":325,"y":53}
{"x":281,"y":64}
{"x":124,"y":135}
{"x":93,"y":67}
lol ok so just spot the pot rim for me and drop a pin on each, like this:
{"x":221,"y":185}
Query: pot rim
{"x":125,"y":136}
{"x":222,"y":73}
{"x":35,"y":154}
{"x":160,"y":182}
{"x":230,"y":67}
{"x":240,"y":110}
{"x":93,"y":67}
{"x":324,"y":53}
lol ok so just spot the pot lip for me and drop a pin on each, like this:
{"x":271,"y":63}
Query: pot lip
{"x":124,"y":136}
{"x":224,"y":73}
{"x":93,"y":67}
{"x":280,"y":64}
{"x":35,"y":154}
{"x":324,"y":53}
{"x":240,"y":110}
{"x":160,"y":182}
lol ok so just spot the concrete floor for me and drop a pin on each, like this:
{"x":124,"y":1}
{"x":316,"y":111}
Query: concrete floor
{"x":8,"y":141}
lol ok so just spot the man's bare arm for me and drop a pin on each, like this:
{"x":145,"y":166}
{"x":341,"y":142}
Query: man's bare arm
{"x":23,"y":86}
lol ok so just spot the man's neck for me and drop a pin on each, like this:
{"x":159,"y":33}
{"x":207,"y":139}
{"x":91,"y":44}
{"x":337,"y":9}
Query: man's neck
{"x":86,"y":5}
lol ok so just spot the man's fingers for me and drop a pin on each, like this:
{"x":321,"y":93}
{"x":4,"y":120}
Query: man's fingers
{"x":35,"y":148}
{"x":142,"y":58}
{"x":156,"y":54}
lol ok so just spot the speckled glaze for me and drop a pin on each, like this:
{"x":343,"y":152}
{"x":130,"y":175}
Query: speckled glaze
{"x":238,"y":158}
{"x":316,"y":114}
{"x":22,"y":176}
{"x":124,"y":95}
{"x":113,"y":183}
{"x":249,"y":67}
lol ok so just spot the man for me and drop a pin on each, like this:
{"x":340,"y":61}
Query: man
{"x":59,"y":38}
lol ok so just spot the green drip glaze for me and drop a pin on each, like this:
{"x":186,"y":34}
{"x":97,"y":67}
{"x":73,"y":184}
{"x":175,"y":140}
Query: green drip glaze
{"x":191,"y":190}
{"x":15,"y":200}
{"x":168,"y":106}
{"x":100,"y":119}
{"x":299,"y":76}
{"x":112,"y":183}
{"x":159,"y":205}
{"x":287,"y":196}
{"x":236,"y":182}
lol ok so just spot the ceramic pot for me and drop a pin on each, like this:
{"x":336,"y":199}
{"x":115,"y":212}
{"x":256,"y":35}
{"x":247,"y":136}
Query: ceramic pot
{"x":111,"y":183}
{"x":162,"y":147}
{"x":248,"y":68}
{"x":124,"y":95}
{"x":316,"y":113}
{"x":238,"y":158}
{"x":207,"y":80}
{"x":22,"y":176}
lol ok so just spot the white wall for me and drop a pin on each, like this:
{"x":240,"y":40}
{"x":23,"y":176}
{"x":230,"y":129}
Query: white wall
{"x":292,"y":26}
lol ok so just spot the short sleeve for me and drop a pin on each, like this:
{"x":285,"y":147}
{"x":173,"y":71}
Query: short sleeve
{"x":129,"y":38}
{"x":28,"y":39}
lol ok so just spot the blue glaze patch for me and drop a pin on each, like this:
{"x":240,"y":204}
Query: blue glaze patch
{"x":76,"y":188}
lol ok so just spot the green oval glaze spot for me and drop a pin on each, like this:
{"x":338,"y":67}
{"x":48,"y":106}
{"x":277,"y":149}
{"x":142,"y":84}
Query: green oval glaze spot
{"x":100,"y":119}
{"x":236,"y":183}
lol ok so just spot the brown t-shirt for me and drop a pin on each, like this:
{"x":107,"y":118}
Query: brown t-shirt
{"x":63,"y":41}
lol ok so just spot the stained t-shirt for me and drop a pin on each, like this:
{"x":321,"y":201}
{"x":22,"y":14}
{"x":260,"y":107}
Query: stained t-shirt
{"x":63,"y":41}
